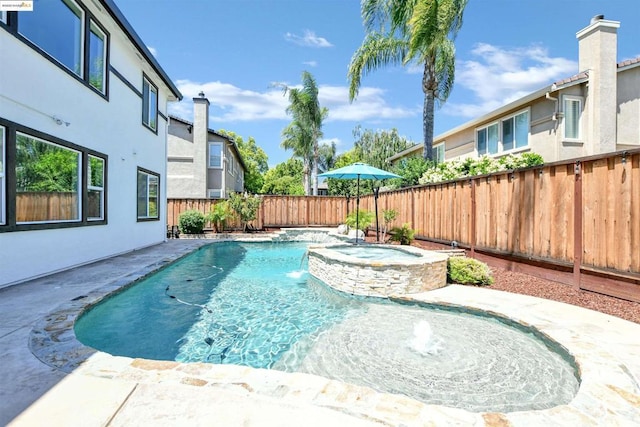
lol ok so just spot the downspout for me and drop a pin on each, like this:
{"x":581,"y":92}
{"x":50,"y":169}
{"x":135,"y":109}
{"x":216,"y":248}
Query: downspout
{"x":555,"y":116}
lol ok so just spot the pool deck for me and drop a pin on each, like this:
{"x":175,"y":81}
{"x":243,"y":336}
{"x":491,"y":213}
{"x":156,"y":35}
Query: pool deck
{"x":49,"y":378}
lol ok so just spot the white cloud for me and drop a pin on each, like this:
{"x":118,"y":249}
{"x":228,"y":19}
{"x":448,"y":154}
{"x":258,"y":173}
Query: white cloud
{"x":230,"y":103}
{"x":309,"y":38}
{"x":153,"y":51}
{"x":370,"y":105}
{"x":498,"y":76}
{"x":311,"y":63}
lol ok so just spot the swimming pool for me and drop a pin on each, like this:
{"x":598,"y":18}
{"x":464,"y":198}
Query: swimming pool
{"x":254,"y":304}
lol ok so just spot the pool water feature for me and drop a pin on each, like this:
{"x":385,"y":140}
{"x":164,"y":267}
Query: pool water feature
{"x":264,"y":310}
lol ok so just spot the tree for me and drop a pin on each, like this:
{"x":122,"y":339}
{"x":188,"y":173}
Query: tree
{"x":305,"y":129}
{"x":327,"y":156}
{"x":345,"y":187}
{"x":254,"y":158}
{"x":411,"y":170}
{"x":245,"y":206}
{"x":374,"y":148}
{"x":284,"y":179}
{"x":402,"y":32}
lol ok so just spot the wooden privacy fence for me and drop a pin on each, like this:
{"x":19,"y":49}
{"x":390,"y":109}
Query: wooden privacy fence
{"x":46,"y":206}
{"x":575,"y":222}
{"x":276,"y":211}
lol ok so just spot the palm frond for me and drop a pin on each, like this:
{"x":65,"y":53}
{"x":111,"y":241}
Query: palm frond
{"x":376,"y":51}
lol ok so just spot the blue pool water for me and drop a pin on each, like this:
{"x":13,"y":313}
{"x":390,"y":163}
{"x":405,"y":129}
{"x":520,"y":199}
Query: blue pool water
{"x":239,"y":303}
{"x":254,"y":304}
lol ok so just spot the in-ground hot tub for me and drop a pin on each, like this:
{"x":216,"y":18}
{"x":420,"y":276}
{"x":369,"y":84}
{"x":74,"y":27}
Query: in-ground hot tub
{"x":378,"y":270}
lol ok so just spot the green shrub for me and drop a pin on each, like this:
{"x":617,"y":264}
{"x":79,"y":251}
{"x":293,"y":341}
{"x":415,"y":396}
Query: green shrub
{"x":245,"y":207}
{"x":463,"y":168}
{"x":365,"y":218}
{"x":468,"y":271}
{"x":191,"y":222}
{"x":403,"y":234}
{"x":219,"y":215}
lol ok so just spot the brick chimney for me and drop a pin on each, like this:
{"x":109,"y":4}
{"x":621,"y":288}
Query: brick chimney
{"x":200,"y":144}
{"x":597,"y":44}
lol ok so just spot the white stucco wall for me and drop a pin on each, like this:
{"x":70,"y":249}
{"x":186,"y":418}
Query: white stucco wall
{"x":31,"y":90}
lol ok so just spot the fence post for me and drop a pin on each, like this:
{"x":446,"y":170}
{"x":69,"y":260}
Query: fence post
{"x":413,"y":208}
{"x":577,"y":225}
{"x":472,"y":243}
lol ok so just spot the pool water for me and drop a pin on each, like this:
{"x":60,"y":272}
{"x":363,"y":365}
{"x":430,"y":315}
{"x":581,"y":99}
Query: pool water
{"x":375,"y":253}
{"x":254,"y":304}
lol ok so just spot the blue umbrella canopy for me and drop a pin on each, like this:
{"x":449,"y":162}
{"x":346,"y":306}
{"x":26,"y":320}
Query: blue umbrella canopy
{"x":358,"y":171}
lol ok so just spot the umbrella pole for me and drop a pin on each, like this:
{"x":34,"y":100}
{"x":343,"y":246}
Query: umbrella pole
{"x":375,"y":194}
{"x":357,"y":208}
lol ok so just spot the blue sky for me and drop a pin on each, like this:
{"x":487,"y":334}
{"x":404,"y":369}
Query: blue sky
{"x":236,"y":50}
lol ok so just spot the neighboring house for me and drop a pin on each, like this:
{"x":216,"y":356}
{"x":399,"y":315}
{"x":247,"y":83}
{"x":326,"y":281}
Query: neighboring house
{"x":594,"y":112}
{"x":201,"y":163}
{"x":83,"y":124}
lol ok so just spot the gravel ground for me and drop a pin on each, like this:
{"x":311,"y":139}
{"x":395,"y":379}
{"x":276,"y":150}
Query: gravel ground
{"x":529,"y":285}
{"x":520,"y":283}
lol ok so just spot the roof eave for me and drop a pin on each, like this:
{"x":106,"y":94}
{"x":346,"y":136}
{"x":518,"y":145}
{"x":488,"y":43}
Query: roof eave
{"x":126,"y":27}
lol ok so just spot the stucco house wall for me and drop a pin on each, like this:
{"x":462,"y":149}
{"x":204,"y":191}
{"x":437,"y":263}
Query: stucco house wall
{"x":188,"y":173}
{"x":34,"y":90}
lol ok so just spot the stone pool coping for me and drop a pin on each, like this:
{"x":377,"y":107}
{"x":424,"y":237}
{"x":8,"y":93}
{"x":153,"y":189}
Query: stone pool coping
{"x":606,"y":349}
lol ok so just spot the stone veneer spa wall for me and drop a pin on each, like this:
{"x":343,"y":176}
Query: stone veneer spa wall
{"x":416,"y":271}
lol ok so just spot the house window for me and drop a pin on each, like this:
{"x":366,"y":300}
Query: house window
{"x":438,"y":153}
{"x":515,"y":131}
{"x":149,"y":104}
{"x":148,"y":195}
{"x":64,"y":32}
{"x":97,"y":57}
{"x":47,"y":181}
{"x":95,"y":189}
{"x":3,"y":16}
{"x":215,"y":194}
{"x":215,"y":155}
{"x":57,"y":28}
{"x":572,"y":106}
{"x":487,"y":140}
{"x":2,"y":180}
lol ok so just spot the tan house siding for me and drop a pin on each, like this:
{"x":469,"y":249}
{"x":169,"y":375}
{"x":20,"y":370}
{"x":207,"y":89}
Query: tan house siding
{"x":629,"y":107}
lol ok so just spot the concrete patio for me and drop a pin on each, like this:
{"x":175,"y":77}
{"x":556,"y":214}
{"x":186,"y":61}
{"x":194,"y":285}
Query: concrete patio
{"x":50,"y":378}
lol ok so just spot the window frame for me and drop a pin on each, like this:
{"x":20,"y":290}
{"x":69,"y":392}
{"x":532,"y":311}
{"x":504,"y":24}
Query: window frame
{"x":218,"y":144}
{"x":100,"y":189}
{"x":105,"y":54}
{"x":513,"y":117}
{"x":3,"y":167}
{"x":149,"y":174}
{"x":500,"y":148}
{"x":79,"y":185}
{"x":12,"y":129}
{"x":149,"y":87}
{"x":219,"y":190}
{"x":486,"y":129}
{"x":578,"y":125}
{"x":439,"y":150}
{"x":12,"y":23}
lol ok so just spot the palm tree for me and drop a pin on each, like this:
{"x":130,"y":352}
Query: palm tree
{"x":304,"y":131}
{"x":402,"y":32}
{"x":327,"y":156}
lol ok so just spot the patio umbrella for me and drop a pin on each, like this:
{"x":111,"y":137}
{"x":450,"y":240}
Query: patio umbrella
{"x":358,"y":171}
